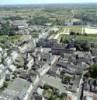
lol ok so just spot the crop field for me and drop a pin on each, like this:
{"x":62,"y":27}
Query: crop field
{"x":13,"y":38}
{"x":76,"y":29}
{"x":90,"y":38}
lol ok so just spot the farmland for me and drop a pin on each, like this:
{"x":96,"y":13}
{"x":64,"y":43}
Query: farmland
{"x":90,"y":38}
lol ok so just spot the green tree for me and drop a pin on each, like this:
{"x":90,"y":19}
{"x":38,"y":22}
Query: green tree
{"x":7,"y":29}
{"x":93,"y":71}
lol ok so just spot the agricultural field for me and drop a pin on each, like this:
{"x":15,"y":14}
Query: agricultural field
{"x":76,"y":29}
{"x":14,"y":38}
{"x":53,"y":15}
{"x":31,"y":12}
{"x":90,"y":38}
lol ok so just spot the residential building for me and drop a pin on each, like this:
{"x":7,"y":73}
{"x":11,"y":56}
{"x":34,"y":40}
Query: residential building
{"x":20,"y":24}
{"x":2,"y":75}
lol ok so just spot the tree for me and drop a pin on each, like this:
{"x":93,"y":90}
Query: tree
{"x":62,"y":73}
{"x":72,"y":33}
{"x":66,"y":79}
{"x":82,"y":45}
{"x":93,"y":71}
{"x":38,"y":20}
{"x":7,"y":29}
{"x":85,"y":45}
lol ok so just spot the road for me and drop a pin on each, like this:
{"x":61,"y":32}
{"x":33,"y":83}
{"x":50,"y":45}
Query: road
{"x":80,"y":85}
{"x":65,"y":31}
{"x":57,"y":36}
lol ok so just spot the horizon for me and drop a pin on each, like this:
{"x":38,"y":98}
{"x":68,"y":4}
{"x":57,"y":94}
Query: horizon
{"x":36,"y":2}
{"x":49,"y":4}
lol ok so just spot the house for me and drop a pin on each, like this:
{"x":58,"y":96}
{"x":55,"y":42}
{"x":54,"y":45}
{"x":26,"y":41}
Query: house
{"x":54,"y":29}
{"x":58,"y":49}
{"x":37,"y":97}
{"x":91,"y":85}
{"x":68,"y":67}
{"x":2,"y":75}
{"x":73,"y":22}
{"x":22,"y":31}
{"x":17,"y":58}
{"x":12,"y":68}
{"x":94,"y":52}
{"x":0,"y":26}
{"x":95,"y":60}
{"x":20,"y":24}
{"x":71,"y":46}
{"x":30,"y":64}
{"x":27,"y":46}
{"x":19,"y":89}
{"x":46,"y":57}
{"x":61,"y":49}
{"x":2,"y":21}
{"x":40,"y":91}
{"x":46,"y":43}
{"x":88,"y":98}
{"x":1,"y":50}
{"x":8,"y":61}
{"x":68,"y":23}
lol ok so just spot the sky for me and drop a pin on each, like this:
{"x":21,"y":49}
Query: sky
{"x":4,"y":2}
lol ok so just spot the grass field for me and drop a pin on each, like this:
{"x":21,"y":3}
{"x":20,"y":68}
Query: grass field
{"x":14,"y":38}
{"x":90,"y":38}
{"x":76,"y":29}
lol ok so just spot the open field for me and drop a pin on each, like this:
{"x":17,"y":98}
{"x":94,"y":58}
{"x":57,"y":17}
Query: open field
{"x":56,"y":16}
{"x":32,"y":12}
{"x":76,"y":29}
{"x":14,"y":38}
{"x":90,"y":38}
